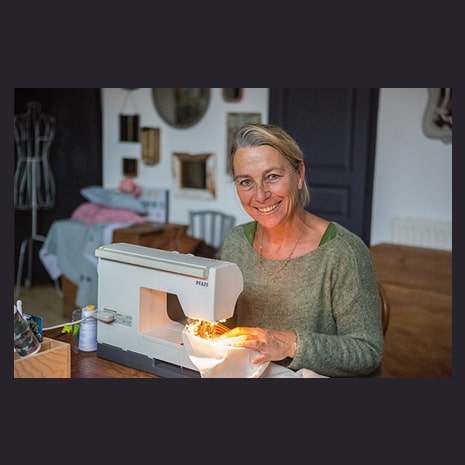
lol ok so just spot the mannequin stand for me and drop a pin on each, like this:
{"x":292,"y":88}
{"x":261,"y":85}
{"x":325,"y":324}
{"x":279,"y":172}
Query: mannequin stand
{"x":33,"y":182}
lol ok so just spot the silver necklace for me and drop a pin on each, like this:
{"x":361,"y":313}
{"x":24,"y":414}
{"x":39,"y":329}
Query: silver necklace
{"x":280,"y":268}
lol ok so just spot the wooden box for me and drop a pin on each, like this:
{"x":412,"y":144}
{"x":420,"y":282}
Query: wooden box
{"x":52,"y":361}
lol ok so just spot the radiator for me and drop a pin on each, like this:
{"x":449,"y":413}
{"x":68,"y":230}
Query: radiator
{"x":422,"y":233}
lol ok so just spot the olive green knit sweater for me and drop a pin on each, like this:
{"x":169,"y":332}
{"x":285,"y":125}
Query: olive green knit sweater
{"x":328,"y":296}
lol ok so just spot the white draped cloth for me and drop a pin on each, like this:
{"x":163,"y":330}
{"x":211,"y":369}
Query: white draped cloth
{"x":215,"y":359}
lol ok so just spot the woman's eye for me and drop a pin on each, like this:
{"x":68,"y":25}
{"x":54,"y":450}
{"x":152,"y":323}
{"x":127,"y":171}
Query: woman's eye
{"x":246,"y":183}
{"x":273,"y":176}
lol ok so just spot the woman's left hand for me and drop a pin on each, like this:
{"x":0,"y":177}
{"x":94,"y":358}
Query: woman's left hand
{"x":272,"y":344}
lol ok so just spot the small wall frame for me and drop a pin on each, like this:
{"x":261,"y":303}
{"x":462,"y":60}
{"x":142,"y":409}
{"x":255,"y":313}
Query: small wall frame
{"x":194,"y":175}
{"x":130,"y":168}
{"x":129,"y":128}
{"x":233,"y":94}
{"x":150,"y":145}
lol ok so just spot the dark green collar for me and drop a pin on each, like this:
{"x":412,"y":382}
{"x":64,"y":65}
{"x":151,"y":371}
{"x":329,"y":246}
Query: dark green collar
{"x":251,"y":228}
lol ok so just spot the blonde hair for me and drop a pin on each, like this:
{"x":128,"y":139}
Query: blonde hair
{"x":254,"y":135}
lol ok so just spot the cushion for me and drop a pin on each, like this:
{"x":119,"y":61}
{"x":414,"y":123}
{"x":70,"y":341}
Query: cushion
{"x":112,"y":198}
{"x":91,"y":213}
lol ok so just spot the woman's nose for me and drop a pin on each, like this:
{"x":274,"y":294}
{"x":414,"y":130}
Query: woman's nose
{"x":261,"y":192}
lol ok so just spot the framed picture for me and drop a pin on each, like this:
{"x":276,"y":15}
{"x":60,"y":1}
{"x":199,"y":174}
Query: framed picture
{"x":234,"y":122}
{"x":129,"y":128}
{"x":194,"y":175}
{"x":130,"y":168}
{"x":232,"y":94}
{"x":129,"y":120}
{"x":150,"y":145}
{"x":156,"y":201}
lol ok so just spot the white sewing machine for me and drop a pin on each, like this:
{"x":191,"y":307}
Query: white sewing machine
{"x":151,"y":293}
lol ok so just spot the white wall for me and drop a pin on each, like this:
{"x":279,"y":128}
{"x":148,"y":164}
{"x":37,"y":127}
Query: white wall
{"x":413,"y":174}
{"x":209,"y":135}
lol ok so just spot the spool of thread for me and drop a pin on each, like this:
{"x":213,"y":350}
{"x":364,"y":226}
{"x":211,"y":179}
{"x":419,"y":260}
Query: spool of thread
{"x":88,"y":330}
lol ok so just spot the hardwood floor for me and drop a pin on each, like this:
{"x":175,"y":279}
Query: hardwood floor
{"x":43,"y":301}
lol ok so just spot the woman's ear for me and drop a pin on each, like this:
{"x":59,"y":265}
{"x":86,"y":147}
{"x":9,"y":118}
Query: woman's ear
{"x":300,"y":184}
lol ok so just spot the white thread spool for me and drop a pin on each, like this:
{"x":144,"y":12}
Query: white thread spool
{"x":88,"y":330}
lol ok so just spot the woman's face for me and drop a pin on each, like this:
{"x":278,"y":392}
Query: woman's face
{"x":267,"y":184}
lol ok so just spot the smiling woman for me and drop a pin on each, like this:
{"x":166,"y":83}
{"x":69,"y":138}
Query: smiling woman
{"x":310,"y":298}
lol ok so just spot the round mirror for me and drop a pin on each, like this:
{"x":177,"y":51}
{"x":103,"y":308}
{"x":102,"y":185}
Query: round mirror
{"x":181,"y":107}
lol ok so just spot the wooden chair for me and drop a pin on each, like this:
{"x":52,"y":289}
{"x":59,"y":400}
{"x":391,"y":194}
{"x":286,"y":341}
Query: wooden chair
{"x":385,"y":308}
{"x":210,"y":226}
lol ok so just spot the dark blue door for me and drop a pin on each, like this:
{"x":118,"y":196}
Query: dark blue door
{"x":336,"y":129}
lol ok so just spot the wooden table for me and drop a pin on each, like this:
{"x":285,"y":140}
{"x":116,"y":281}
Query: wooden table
{"x":89,"y":365}
{"x":418,"y":285}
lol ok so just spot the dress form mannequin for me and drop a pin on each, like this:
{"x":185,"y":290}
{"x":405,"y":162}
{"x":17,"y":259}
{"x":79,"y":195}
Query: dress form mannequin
{"x":34,"y":185}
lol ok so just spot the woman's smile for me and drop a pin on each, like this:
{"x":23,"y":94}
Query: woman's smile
{"x":269,"y":209}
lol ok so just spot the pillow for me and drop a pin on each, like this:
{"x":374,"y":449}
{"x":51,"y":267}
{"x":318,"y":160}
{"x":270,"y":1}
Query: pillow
{"x":91,"y":213}
{"x":113,"y":199}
